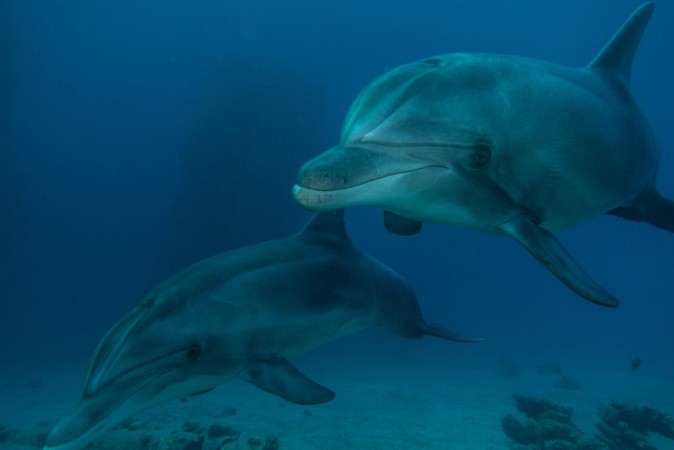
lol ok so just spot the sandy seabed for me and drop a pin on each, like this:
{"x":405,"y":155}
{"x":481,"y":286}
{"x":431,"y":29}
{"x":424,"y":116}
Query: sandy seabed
{"x":382,"y":402}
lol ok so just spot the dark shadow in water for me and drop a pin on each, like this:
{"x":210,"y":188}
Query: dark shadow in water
{"x":257,"y":122}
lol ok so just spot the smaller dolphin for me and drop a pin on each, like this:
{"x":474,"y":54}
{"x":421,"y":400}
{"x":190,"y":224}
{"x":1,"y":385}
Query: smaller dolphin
{"x":504,"y":144}
{"x":243,"y":314}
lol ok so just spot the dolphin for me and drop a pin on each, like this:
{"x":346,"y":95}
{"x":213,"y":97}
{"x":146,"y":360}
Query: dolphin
{"x":243,"y":314}
{"x":504,"y":144}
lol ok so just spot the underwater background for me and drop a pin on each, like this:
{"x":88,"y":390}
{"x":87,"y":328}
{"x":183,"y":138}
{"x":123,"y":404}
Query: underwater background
{"x":138,"y":137}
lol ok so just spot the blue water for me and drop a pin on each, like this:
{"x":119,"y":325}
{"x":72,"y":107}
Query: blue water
{"x":138,"y":137}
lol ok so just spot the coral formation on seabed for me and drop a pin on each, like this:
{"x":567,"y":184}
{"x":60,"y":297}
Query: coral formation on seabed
{"x":549,"y":426}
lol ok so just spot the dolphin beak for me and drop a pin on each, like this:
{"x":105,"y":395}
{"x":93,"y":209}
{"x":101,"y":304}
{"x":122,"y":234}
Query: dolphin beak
{"x":344,"y":175}
{"x":344,"y":167}
{"x":91,"y":417}
{"x":338,"y":168}
{"x":119,"y":383}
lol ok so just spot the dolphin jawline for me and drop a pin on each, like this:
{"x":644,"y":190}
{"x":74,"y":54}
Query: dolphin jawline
{"x":330,"y":199}
{"x":130,"y":370}
{"x":372,"y":180}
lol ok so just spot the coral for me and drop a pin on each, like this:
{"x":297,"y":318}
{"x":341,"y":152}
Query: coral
{"x":548,"y":426}
{"x":146,"y":442}
{"x":271,"y":443}
{"x":173,"y":441}
{"x":192,"y":427}
{"x":216,"y":430}
{"x":622,"y":425}
{"x":559,"y":444}
{"x":644,"y":419}
{"x":620,"y":435}
{"x":534,"y":408}
{"x":195,"y":445}
{"x":518,"y":433}
{"x":227,"y":441}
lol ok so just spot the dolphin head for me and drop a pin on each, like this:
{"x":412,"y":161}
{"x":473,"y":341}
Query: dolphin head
{"x":156,"y":353}
{"x":424,"y":126}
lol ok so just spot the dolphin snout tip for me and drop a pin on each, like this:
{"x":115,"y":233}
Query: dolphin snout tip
{"x":311,"y":199}
{"x":322,"y":177}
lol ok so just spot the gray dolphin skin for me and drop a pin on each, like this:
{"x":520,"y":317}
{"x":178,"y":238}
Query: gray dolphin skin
{"x":243,"y":314}
{"x":505,"y":144}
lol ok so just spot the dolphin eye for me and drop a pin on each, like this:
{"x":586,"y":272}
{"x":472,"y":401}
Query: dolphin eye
{"x":193,"y":352}
{"x":479,"y":157}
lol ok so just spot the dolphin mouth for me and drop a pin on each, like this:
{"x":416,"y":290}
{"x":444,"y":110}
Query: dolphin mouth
{"x":134,"y":372}
{"x":319,"y":188}
{"x":358,"y":163}
{"x":111,"y":365}
{"x":373,"y":191}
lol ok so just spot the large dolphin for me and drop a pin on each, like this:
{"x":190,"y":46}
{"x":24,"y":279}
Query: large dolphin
{"x":243,"y":314}
{"x":505,"y":144}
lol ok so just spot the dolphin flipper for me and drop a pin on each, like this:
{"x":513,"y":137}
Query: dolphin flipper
{"x":545,"y":247}
{"x":277,"y":376}
{"x":401,"y":225}
{"x":650,"y":207}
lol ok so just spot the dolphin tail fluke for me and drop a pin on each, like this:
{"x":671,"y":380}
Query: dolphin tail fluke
{"x":650,"y":207}
{"x":277,"y":376}
{"x":545,"y":247}
{"x":617,"y":55}
{"x":432,"y":329}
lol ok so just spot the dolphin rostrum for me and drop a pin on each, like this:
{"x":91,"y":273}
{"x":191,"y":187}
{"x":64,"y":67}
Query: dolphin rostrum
{"x":243,"y":314}
{"x":505,"y":144}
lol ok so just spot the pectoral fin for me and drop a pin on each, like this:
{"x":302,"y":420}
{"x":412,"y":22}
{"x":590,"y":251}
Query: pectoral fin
{"x":401,"y":225}
{"x":650,"y":207}
{"x":277,"y":376}
{"x":545,"y":247}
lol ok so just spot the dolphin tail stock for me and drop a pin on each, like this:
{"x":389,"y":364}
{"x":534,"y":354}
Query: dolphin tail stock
{"x":545,"y":247}
{"x":436,"y":330}
{"x":277,"y":376}
{"x":650,"y":207}
{"x":617,"y":55}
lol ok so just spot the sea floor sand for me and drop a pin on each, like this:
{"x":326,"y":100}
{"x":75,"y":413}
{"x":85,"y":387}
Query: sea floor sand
{"x":420,"y":401}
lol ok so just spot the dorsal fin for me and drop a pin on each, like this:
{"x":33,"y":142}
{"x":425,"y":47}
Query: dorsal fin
{"x":617,"y":55}
{"x":329,"y":222}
